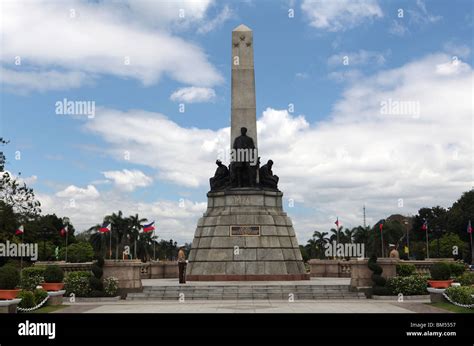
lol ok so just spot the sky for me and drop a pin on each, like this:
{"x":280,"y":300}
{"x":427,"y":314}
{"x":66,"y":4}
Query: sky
{"x":361,"y":102}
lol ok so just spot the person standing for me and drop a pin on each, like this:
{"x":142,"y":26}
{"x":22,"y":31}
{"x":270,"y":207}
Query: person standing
{"x":182,"y":266}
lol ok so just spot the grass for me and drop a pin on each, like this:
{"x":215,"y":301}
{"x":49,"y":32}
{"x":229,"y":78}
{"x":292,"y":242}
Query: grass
{"x":452,"y":307}
{"x":48,"y":309}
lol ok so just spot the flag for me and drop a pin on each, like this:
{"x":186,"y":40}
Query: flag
{"x":105,"y":227}
{"x":425,"y":226}
{"x":381,"y":225}
{"x":337,"y":222}
{"x":150,"y":227}
{"x":20,"y":230}
{"x":63,"y":231}
{"x":469,"y":227}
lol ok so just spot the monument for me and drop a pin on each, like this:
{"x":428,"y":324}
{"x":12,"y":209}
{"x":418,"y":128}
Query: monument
{"x":244,"y":233}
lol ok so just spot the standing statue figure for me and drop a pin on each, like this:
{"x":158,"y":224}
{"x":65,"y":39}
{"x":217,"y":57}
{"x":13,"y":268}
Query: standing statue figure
{"x":244,"y":151}
{"x":220,"y":180}
{"x":267,"y":179}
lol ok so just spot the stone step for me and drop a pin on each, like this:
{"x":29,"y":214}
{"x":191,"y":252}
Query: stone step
{"x":247,"y":292}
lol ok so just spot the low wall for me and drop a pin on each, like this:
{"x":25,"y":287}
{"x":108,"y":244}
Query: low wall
{"x":128,"y":272}
{"x":159,"y":270}
{"x":343,"y":269}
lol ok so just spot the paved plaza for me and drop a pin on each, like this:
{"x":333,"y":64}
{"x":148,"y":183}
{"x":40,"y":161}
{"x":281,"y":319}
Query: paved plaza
{"x":250,"y":306}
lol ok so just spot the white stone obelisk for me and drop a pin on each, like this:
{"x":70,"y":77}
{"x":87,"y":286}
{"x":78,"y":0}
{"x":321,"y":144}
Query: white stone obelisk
{"x":243,"y":112}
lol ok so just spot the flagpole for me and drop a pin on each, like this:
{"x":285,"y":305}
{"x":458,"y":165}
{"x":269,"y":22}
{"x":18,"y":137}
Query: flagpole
{"x":472,"y":249}
{"x":67,"y":233}
{"x":23,"y":240}
{"x":110,"y":243}
{"x":154,"y":246}
{"x":427,"y":244}
{"x":381,"y":240}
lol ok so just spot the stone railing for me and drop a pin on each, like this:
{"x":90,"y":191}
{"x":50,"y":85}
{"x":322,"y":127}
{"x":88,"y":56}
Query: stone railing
{"x":343,"y":268}
{"x":67,"y":267}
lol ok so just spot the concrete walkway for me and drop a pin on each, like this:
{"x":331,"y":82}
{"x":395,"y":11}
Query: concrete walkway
{"x":245,"y":306}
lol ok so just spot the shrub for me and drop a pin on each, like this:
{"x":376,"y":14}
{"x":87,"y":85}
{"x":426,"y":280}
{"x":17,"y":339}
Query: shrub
{"x":53,"y":273}
{"x":110,"y":286}
{"x":78,"y":283}
{"x":408,"y":285}
{"x":27,"y":299}
{"x":96,"y":284}
{"x":461,"y":294}
{"x":100,"y":261}
{"x":9,"y":277}
{"x":405,"y":269}
{"x":382,"y":291}
{"x":440,"y":271}
{"x":466,"y":279}
{"x":377,"y":270}
{"x":97,"y":271}
{"x":78,"y":252}
{"x":40,"y":295}
{"x":32,"y":277}
{"x":457,"y":268}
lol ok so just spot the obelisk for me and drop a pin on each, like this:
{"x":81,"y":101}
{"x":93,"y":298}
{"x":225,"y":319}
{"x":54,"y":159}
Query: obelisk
{"x":243,"y":112}
{"x":244,"y":234}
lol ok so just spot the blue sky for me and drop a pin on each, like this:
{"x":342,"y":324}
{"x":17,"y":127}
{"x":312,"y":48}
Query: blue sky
{"x":334,"y":153}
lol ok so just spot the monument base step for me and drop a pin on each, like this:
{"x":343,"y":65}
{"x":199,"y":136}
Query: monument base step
{"x":246,"y":292}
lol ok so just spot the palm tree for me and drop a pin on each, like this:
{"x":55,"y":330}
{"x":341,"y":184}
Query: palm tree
{"x":98,"y":240}
{"x":321,"y":241}
{"x":349,"y":235}
{"x":135,"y":225}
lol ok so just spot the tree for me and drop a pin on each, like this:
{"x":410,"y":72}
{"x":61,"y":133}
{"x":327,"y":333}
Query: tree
{"x":447,"y":244}
{"x":459,"y":215}
{"x":15,"y":193}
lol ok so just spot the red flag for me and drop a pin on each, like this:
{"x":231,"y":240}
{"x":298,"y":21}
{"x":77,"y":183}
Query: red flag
{"x":63,"y":231}
{"x":337,"y":222}
{"x":150,"y":227}
{"x":20,"y":230}
{"x":425,"y":226}
{"x":105,"y":227}
{"x":469,"y":227}
{"x":381,"y":225}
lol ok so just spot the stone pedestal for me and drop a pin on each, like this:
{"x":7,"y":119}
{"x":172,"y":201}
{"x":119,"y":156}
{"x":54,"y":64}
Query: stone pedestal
{"x":55,"y":298}
{"x":245,"y":235}
{"x":9,"y":306}
{"x":128,"y":274}
{"x":361,"y":275}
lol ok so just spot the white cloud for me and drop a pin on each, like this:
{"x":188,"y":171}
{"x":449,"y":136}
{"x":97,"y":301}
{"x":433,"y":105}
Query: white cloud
{"x":216,"y":22}
{"x":180,"y":155}
{"x":358,"y":155}
{"x":397,"y":28}
{"x":75,"y":192}
{"x":174,"y":219}
{"x":101,"y":39}
{"x":193,"y":95}
{"x":19,"y":81}
{"x":340,"y":15}
{"x":421,"y":14}
{"x":128,"y":180}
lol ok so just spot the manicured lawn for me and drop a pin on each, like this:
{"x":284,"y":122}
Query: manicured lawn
{"x":452,"y":307}
{"x":48,"y":309}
